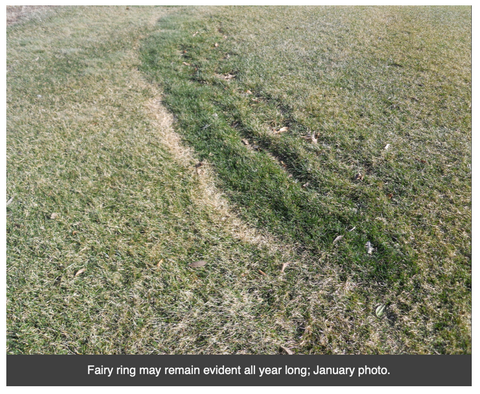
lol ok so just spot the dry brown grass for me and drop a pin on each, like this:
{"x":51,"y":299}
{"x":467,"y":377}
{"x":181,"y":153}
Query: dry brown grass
{"x":206,"y":194}
{"x":18,"y":13}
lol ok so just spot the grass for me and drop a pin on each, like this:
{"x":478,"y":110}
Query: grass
{"x":90,"y":142}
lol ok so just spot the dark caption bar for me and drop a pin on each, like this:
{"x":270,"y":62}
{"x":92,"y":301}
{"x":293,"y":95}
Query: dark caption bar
{"x":51,"y":370}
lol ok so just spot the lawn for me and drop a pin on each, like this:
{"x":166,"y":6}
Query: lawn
{"x":318,"y":159}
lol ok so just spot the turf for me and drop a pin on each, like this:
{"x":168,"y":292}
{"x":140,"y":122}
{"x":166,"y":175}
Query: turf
{"x":102,"y":183}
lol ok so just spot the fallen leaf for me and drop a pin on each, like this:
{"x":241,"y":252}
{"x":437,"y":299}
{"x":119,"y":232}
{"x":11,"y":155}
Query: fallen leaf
{"x":248,"y":92}
{"x":74,"y":232}
{"x":159,"y":263}
{"x":186,"y":64}
{"x":359,"y":177}
{"x":390,"y":195}
{"x":199,"y":263}
{"x":311,"y":138}
{"x":245,"y":142}
{"x":80,"y":272}
{"x":282,"y":130}
{"x":337,"y":239}
{"x":380,"y":310}
{"x":289,"y":352}
{"x":369,"y":247}
{"x":54,"y":215}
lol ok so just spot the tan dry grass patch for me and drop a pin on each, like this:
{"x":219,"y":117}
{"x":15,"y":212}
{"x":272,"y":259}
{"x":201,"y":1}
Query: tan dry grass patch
{"x":207,"y":193}
{"x":17,"y":13}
